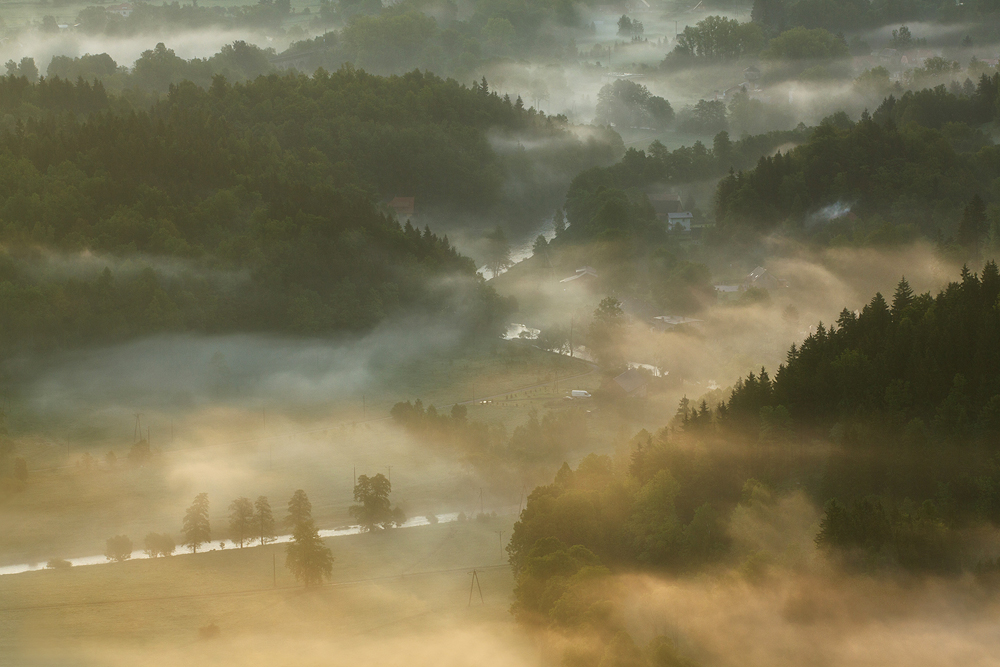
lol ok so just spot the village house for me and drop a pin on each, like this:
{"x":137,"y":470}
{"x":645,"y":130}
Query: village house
{"x":680,"y":221}
{"x":761,"y":278}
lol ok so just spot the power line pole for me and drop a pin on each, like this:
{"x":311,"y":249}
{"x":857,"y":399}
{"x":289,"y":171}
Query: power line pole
{"x":500,"y":533}
{"x":475,"y":583}
{"x":481,"y":506}
{"x":390,"y":474}
{"x":274,"y":569}
{"x":364,"y":406}
{"x":571,"y":338}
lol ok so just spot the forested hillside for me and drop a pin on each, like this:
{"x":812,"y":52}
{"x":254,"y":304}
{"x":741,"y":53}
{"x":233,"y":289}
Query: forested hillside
{"x":916,"y":162}
{"x":889,"y":420}
{"x":273,"y":185}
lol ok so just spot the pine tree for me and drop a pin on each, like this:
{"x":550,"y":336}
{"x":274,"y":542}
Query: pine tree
{"x":307,"y":556}
{"x":196,"y":527}
{"x":263,"y":519}
{"x":241,"y":523}
{"x":901,"y":299}
{"x":299,"y":509}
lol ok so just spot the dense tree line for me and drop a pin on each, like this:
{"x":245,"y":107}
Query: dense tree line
{"x":917,"y":161}
{"x":908,"y":391}
{"x":889,"y":419}
{"x":488,"y":447}
{"x":267,"y":191}
{"x":418,"y":34}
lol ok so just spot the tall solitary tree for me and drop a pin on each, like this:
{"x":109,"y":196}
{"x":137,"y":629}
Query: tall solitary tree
{"x":263,"y":519}
{"x":299,"y":509}
{"x":196,"y":527}
{"x":375,"y":511}
{"x":241,"y":523}
{"x":307,"y":556}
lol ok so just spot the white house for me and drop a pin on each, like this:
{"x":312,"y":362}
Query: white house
{"x":682,"y":218}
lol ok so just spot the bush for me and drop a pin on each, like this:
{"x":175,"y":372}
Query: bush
{"x":159,"y":545}
{"x":118,"y":548}
{"x":432,"y":519}
{"x":58,"y":564}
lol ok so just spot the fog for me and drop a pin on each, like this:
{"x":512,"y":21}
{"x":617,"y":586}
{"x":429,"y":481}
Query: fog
{"x":116,"y":437}
{"x":125,"y":51}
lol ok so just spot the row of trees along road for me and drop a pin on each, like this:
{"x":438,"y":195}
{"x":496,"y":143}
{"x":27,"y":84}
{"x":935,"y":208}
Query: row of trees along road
{"x":307,"y":556}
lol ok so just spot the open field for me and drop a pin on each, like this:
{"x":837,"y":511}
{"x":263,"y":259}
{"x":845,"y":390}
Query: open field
{"x":392,"y":586}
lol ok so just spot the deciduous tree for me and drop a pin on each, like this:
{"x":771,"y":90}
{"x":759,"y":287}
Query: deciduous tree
{"x":118,"y":549}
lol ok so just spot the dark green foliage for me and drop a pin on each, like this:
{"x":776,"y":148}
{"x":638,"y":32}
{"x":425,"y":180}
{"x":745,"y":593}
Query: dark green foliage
{"x":913,"y":537}
{"x":250,"y":185}
{"x":902,"y":175}
{"x":715,"y":39}
{"x":627,"y":104}
{"x":910,"y":395}
{"x":644,"y":515}
{"x":707,"y":117}
{"x":805,"y":44}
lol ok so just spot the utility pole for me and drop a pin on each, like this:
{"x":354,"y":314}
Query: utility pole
{"x":137,"y":431}
{"x":571,"y":338}
{"x":390,"y":474}
{"x":364,"y":406}
{"x":481,"y":506}
{"x":475,"y":583}
{"x":500,"y":533}
{"x":274,"y":569}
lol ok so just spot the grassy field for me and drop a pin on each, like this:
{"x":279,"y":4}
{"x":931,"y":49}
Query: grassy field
{"x":66,"y":510}
{"x":388,"y":585}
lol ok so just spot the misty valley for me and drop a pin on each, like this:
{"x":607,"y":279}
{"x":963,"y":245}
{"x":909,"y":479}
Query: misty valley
{"x":533,"y":333}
